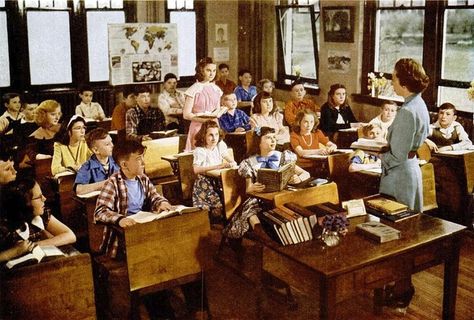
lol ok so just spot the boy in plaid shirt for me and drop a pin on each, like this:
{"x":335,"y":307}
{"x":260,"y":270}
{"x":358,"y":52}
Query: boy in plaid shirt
{"x":126,"y":192}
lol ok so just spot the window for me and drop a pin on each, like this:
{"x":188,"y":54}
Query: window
{"x":4,"y":58}
{"x":440,"y":34}
{"x":298,"y":55}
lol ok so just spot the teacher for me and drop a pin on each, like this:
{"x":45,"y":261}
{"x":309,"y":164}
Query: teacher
{"x":401,"y":174}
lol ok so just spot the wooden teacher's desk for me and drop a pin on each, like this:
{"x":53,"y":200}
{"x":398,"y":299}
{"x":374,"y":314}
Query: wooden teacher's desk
{"x":358,"y":264}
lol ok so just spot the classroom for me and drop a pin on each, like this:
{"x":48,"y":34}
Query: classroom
{"x":237,"y":159}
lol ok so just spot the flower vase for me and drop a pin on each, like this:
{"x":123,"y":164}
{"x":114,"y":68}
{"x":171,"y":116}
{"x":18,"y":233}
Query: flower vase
{"x":330,"y":238}
{"x":372,"y":91}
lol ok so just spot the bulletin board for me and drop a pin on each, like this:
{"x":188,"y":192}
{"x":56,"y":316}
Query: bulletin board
{"x":142,"y":52}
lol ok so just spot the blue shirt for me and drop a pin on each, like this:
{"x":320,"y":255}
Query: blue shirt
{"x":244,"y":95}
{"x":93,"y":171}
{"x":230,"y":122}
{"x":135,"y":196}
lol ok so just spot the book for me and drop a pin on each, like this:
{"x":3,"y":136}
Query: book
{"x":297,"y":221}
{"x":281,"y":227}
{"x":385,"y":205}
{"x":216,"y":113}
{"x":147,"y":216}
{"x":38,"y":254}
{"x":354,"y":208}
{"x":378,"y":231}
{"x":370,"y":145}
{"x":276,"y":179}
{"x":287,"y":225}
{"x":272,"y":227}
{"x":393,"y":217}
{"x":163,"y":133}
{"x":311,"y":219}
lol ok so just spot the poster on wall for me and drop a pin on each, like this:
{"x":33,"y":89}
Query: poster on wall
{"x":142,"y":52}
{"x":339,"y":61}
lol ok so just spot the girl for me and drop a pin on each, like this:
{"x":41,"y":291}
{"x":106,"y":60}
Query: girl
{"x":202,"y":96}
{"x":336,"y":113}
{"x":70,"y":148}
{"x":386,"y":117}
{"x":208,"y":155}
{"x":306,"y":138}
{"x":265,"y":115}
{"x":264,"y":156}
{"x":47,"y":118}
{"x":25,"y":222}
{"x":266,"y":85}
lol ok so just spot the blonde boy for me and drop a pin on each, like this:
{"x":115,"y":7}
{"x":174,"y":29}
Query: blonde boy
{"x":446,"y":133}
{"x":234,"y":120}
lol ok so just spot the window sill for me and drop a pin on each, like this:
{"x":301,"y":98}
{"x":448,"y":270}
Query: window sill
{"x":377,"y":101}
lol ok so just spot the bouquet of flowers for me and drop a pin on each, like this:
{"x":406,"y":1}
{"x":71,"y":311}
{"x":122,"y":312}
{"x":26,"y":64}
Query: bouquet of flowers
{"x":470,"y":91}
{"x":376,"y":83}
{"x":335,"y":223}
{"x":297,"y":70}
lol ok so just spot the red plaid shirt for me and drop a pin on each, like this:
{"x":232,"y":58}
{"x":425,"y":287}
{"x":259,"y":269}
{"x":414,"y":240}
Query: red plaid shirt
{"x":112,"y":206}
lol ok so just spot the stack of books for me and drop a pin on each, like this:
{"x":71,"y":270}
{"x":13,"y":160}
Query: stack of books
{"x":288,"y":227}
{"x":370,"y":145}
{"x":385,"y":208}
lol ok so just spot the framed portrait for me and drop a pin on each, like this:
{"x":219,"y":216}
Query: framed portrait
{"x":221,"y":34}
{"x":338,"y":24}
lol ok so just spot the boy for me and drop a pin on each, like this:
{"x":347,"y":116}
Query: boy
{"x":88,"y":109}
{"x":171,"y":101}
{"x":245,"y":92}
{"x":93,"y":173}
{"x":298,"y":102}
{"x":226,"y":85}
{"x":141,"y":120}
{"x":118,"y":115}
{"x":234,"y":120}
{"x":446,"y":133}
{"x":12,"y":115}
{"x":386,"y":117}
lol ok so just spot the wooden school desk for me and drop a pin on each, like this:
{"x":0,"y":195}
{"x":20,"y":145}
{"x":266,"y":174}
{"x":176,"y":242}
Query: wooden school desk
{"x":94,"y":231}
{"x":454,"y":183}
{"x":358,"y":264}
{"x":59,"y":289}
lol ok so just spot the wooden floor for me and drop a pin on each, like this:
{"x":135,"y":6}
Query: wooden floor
{"x":231,"y":297}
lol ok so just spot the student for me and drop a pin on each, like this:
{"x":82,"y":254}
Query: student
{"x":361,"y":160}
{"x":87,"y":108}
{"x":266,"y":115}
{"x":7,"y":169}
{"x":306,"y":138}
{"x":245,"y":92}
{"x":10,"y":118}
{"x":47,"y":117}
{"x":226,"y":85}
{"x":386,"y":117}
{"x":266,"y":85}
{"x":209,"y":155}
{"x":101,"y":165}
{"x":298,"y":102}
{"x":264,"y":156}
{"x":24,"y":198}
{"x":126,"y":192}
{"x":202,"y":96}
{"x":142,"y":119}
{"x":70,"y":148}
{"x":171,"y":101}
{"x":234,"y":120}
{"x":336,"y":113}
{"x":118,"y":115}
{"x":446,"y":133}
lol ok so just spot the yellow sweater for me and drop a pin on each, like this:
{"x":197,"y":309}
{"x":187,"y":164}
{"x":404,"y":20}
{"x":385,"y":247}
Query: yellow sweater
{"x":67,"y":156}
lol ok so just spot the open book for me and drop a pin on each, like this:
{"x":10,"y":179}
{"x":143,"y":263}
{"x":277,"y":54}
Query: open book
{"x":216,"y":113}
{"x":163,"y":133}
{"x":276,"y":179}
{"x":370,"y":145}
{"x":38,"y":254}
{"x":147,"y":216}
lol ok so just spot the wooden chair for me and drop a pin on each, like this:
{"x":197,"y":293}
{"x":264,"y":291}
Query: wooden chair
{"x":429,"y":187}
{"x":338,"y":167}
{"x":307,"y":197}
{"x":233,"y":190}
{"x":157,"y":169}
{"x":94,"y":232}
{"x":159,"y":255}
{"x":424,"y":152}
{"x":59,"y":289}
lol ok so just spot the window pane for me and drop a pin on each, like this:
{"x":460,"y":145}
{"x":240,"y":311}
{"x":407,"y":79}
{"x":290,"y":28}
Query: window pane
{"x":189,"y":4}
{"x":49,"y":47}
{"x":186,"y":22}
{"x":456,"y":96}
{"x":171,"y":4}
{"x":31,"y":3}
{"x":97,"y":42}
{"x":399,"y":34}
{"x":4,"y":59}
{"x":46,"y":4}
{"x":2,"y":3}
{"x":90,"y":4}
{"x":117,"y":4}
{"x":103,"y":4}
{"x":60,"y":4}
{"x":298,"y":48}
{"x":458,"y":45}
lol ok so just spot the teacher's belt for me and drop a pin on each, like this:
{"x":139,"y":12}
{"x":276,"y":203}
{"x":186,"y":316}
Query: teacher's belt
{"x":411,"y":154}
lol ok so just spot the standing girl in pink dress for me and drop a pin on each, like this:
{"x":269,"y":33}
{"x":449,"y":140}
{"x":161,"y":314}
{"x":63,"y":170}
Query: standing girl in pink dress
{"x":202,"y":97}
